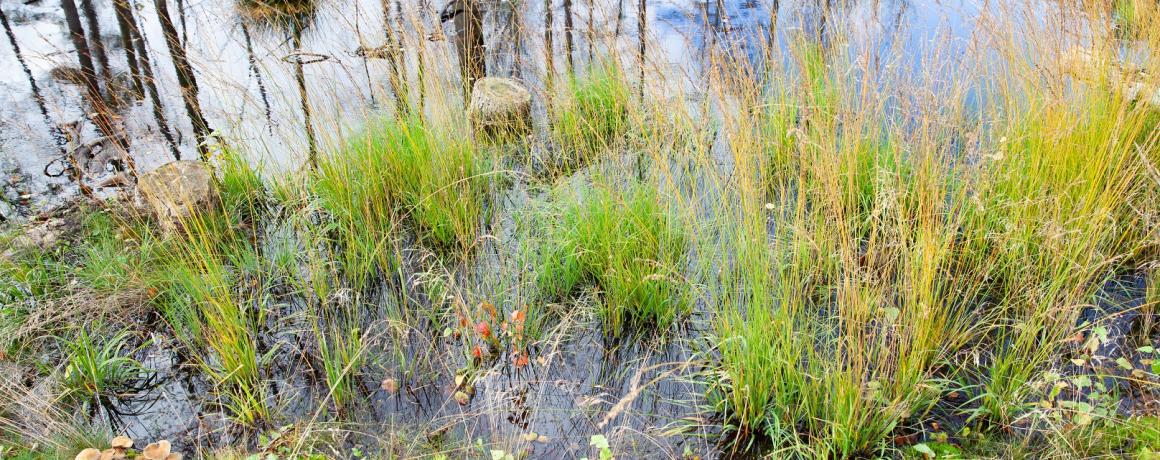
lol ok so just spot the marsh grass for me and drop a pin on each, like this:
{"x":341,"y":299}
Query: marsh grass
{"x":211,"y":312}
{"x":861,"y":253}
{"x":847,"y":302}
{"x":623,"y":240}
{"x":395,"y":170}
{"x":211,"y":291}
{"x":1056,"y":208}
{"x":592,"y":118}
{"x":334,"y":313}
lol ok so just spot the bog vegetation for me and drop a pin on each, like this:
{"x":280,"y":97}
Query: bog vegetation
{"x":966,"y":269}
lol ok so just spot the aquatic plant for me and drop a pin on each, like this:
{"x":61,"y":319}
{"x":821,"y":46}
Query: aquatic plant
{"x":99,"y":372}
{"x":624,"y":241}
{"x":396,"y":169}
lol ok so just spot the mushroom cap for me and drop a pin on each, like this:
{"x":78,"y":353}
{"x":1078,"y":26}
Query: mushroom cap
{"x":89,"y":454}
{"x":121,"y":442}
{"x":390,"y":385}
{"x":156,"y":451}
{"x":173,"y":456}
{"x":113,"y":454}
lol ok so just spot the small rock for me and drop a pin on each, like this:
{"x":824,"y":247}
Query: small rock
{"x":500,"y":107}
{"x":178,"y":190}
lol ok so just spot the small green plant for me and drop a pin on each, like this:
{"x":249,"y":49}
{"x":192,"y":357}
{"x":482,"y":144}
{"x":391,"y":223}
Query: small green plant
{"x":603,"y":448}
{"x":98,"y":372}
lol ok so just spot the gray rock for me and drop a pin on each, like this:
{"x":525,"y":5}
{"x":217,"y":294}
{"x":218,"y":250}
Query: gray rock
{"x":500,"y":107}
{"x":178,"y":190}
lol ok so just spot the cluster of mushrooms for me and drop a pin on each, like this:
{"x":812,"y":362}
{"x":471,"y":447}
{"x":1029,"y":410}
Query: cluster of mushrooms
{"x":119,"y":449}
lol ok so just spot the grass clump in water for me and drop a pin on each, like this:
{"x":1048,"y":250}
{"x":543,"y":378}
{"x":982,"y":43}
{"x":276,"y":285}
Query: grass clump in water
{"x":592,"y":119}
{"x":401,"y":168}
{"x":627,"y":243}
{"x":212,"y":291}
{"x":97,"y":373}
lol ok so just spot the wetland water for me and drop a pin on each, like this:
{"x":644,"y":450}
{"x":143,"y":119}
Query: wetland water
{"x":247,"y":74}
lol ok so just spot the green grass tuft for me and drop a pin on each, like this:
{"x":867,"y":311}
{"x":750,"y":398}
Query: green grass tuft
{"x":626,"y":242}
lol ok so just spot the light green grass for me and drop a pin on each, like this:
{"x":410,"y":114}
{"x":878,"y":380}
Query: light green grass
{"x":395,"y":170}
{"x":627,"y":243}
{"x":592,"y":118}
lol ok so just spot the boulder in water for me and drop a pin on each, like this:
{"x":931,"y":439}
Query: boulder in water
{"x":500,"y":107}
{"x":178,"y":190}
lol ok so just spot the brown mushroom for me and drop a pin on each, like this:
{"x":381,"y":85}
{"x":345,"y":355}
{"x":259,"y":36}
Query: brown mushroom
{"x":113,"y":454}
{"x":89,"y":454}
{"x":121,"y":442}
{"x":156,"y":451}
{"x":173,"y":456}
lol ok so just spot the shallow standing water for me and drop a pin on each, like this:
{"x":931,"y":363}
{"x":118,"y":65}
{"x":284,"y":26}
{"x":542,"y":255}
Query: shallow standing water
{"x":246,"y":70}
